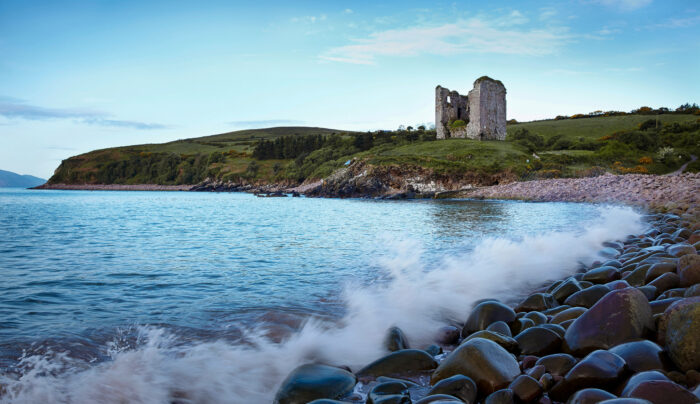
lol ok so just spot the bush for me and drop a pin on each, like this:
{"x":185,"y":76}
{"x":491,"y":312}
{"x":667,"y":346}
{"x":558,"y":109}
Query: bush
{"x":531,"y":141}
{"x":648,"y":124}
{"x":458,"y":124}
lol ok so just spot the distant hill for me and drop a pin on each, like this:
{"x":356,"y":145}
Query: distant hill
{"x":10,"y":179}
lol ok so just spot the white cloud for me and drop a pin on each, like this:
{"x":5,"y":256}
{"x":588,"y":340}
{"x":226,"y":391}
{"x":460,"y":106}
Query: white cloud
{"x":348,"y":11}
{"x":546,"y":13}
{"x":679,"y":22}
{"x":310,"y":19}
{"x":465,"y":36}
{"x":626,"y":5}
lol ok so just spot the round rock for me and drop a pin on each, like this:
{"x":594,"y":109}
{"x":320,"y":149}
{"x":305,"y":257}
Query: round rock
{"x":485,"y":314}
{"x":538,"y":341}
{"x":312,"y":381}
{"x":399,"y":362}
{"x":459,"y":386}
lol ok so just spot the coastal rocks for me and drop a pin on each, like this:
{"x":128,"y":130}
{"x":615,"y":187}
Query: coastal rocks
{"x":312,"y":381}
{"x":662,"y":392}
{"x":689,"y":269}
{"x":565,"y":289}
{"x":557,"y":364}
{"x":526,"y":388}
{"x":600,"y":369}
{"x":679,"y":250}
{"x":601,"y":275}
{"x":538,"y":341}
{"x":620,"y":316}
{"x":640,"y":355}
{"x":590,"y":396}
{"x":389,"y":392}
{"x":399,"y":362}
{"x":447,"y":335}
{"x":506,"y":342}
{"x":587,"y":297}
{"x":395,"y":340}
{"x":486,"y":313}
{"x":681,"y":325}
{"x":537,"y":302}
{"x":458,"y":386}
{"x":485,"y":362}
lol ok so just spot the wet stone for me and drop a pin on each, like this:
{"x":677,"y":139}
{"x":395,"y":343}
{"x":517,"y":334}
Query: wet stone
{"x":433,"y":350}
{"x":640,"y":355}
{"x":565,"y":289}
{"x":661,"y":392}
{"x":557,"y":364}
{"x":387,"y":389}
{"x":312,"y":381}
{"x":568,"y":314}
{"x":590,"y":396}
{"x":689,"y":270}
{"x":679,"y":250}
{"x":538,"y":341}
{"x":520,"y":325}
{"x":537,"y":317}
{"x":399,"y":362}
{"x":620,"y":316}
{"x":485,"y":314}
{"x":537,"y":302}
{"x":500,"y":327}
{"x":395,"y":340}
{"x":682,"y":330}
{"x":447,"y":335}
{"x":526,"y":388}
{"x":642,"y":377}
{"x":659,"y":306}
{"x":602,"y":275}
{"x":510,"y":344}
{"x":648,"y":291}
{"x":676,"y":292}
{"x":587,"y":297}
{"x":459,"y":386}
{"x":665,"y":282}
{"x":600,"y":369}
{"x":488,"y":364}
{"x":438,"y":399}
{"x":556,"y":328}
{"x":504,"y":396}
{"x":536,"y":371}
{"x":659,"y":269}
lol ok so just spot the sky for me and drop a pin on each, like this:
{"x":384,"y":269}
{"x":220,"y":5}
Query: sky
{"x":82,"y":75}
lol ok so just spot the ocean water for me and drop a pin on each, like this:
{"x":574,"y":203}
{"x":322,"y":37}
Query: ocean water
{"x":160,"y":297}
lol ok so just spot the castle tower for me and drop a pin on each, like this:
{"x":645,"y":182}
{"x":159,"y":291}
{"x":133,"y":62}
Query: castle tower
{"x":483,"y":111}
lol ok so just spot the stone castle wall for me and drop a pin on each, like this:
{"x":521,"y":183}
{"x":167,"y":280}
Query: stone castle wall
{"x":483,"y":110}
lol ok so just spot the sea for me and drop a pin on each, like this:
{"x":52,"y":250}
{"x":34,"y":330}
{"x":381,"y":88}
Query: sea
{"x":187,"y":297}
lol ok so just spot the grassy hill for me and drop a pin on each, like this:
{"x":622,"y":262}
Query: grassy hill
{"x":549,"y":148}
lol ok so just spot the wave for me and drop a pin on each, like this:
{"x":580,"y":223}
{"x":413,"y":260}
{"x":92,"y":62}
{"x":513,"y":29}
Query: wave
{"x":416,"y":297}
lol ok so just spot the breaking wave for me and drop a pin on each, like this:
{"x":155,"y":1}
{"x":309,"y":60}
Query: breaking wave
{"x":418,"y":298}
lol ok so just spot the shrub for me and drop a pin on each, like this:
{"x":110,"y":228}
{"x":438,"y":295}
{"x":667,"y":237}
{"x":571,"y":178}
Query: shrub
{"x":645,"y":160}
{"x":523,"y":137}
{"x":648,"y":124}
{"x":458,"y":124}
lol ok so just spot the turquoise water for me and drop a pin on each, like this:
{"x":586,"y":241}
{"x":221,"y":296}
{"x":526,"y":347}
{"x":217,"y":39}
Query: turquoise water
{"x":92,"y":278}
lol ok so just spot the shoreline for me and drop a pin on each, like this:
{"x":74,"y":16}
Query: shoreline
{"x":650,"y":191}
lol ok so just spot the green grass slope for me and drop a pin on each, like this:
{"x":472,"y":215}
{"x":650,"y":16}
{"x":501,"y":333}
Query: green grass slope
{"x":539,"y":149}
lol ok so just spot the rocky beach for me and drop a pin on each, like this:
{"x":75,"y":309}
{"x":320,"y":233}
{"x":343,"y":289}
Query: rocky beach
{"x":622,"y":330}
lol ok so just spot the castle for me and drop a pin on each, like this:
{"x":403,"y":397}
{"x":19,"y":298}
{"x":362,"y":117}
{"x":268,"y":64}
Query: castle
{"x":480,"y":115}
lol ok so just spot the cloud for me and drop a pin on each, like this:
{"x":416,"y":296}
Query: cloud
{"x":465,"y":36}
{"x":625,"y":5}
{"x":348,"y":11}
{"x":679,"y":22}
{"x":14,"y":108}
{"x":309,"y":19}
{"x":265,"y":123}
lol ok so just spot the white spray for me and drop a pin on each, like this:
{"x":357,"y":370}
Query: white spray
{"x":416,"y":299}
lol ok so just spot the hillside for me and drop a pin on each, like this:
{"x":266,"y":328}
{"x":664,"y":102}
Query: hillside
{"x":9,"y":179}
{"x":632,"y":143}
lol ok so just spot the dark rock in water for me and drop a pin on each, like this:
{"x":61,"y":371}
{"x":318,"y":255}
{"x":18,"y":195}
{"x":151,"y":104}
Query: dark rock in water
{"x":689,"y":269}
{"x":537,"y":302}
{"x":439,"y":399}
{"x":600,"y":369}
{"x":590,"y":396}
{"x":566,"y":289}
{"x":485,"y":362}
{"x":665,"y":282}
{"x":557,"y":364}
{"x":508,"y":343}
{"x":504,"y":396}
{"x":459,"y":386}
{"x":568,"y":314}
{"x":642,"y":377}
{"x":680,"y":326}
{"x":640,"y":355}
{"x":620,"y":316}
{"x":556,"y":328}
{"x":659,"y":269}
{"x":395,"y":340}
{"x":662,"y":392}
{"x":399,"y":362}
{"x":393,"y":389}
{"x":486,"y":313}
{"x":433,"y":350}
{"x":601,"y":275}
{"x":500,"y":327}
{"x":309,"y":382}
{"x":538,"y":341}
{"x":536,"y":317}
{"x":526,"y":388}
{"x":521,"y":324}
{"x":587,"y":297}
{"x":447,"y":335}
{"x":609,"y":252}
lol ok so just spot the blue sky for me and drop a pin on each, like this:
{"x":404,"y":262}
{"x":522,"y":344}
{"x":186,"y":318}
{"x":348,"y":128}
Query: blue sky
{"x":81,"y":75}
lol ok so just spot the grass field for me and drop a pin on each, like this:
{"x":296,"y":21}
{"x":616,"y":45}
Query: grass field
{"x":588,"y":145}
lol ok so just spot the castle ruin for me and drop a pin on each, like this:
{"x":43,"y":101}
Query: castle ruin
{"x":480,"y":115}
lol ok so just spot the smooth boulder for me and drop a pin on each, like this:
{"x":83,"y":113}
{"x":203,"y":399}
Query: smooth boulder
{"x":600,"y":369}
{"x":681,"y":323}
{"x":538,"y":341}
{"x":313,"y":381}
{"x":662,"y":392}
{"x":486,"y":313}
{"x":587,"y":297}
{"x":640,"y":355}
{"x":689,"y":269}
{"x":620,"y":316}
{"x":395,"y":340}
{"x":399,"y":362}
{"x":459,"y":386}
{"x":488,"y":364}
